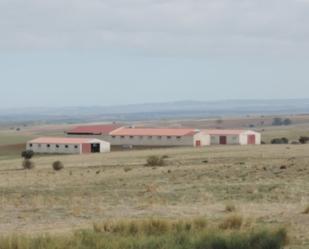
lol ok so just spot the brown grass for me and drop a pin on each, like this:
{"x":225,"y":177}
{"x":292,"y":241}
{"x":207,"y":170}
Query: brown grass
{"x":98,"y":187}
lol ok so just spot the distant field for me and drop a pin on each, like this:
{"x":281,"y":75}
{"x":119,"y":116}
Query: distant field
{"x":267,"y":185}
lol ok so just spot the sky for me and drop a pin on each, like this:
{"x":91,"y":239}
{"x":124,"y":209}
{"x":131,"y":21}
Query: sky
{"x":114,"y":52}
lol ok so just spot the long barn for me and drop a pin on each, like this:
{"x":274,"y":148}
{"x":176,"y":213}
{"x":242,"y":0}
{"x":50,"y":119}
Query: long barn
{"x":159,"y":137}
{"x":64,"y":145}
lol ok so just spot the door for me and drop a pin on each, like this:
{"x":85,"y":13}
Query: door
{"x":95,"y":148}
{"x":86,"y":148}
{"x":198,"y":143}
{"x":251,"y":139}
{"x":223,"y":139}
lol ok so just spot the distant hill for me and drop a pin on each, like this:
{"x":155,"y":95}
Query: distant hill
{"x":147,"y":111}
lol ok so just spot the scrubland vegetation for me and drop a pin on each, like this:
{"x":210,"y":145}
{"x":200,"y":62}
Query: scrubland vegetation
{"x":153,"y":234}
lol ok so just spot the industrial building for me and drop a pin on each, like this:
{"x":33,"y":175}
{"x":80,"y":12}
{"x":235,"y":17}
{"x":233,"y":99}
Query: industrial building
{"x":233,"y":137}
{"x":159,"y":137}
{"x":64,"y":145}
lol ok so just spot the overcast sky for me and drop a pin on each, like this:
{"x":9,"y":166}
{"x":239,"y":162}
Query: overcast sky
{"x":106,"y":52}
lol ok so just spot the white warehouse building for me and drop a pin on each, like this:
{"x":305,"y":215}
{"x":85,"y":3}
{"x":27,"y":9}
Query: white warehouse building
{"x":159,"y":137}
{"x":233,"y":137}
{"x":64,"y":145}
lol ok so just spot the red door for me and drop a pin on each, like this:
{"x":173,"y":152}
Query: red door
{"x":223,"y":139}
{"x":86,"y":148}
{"x":198,"y":143}
{"x":251,"y":139}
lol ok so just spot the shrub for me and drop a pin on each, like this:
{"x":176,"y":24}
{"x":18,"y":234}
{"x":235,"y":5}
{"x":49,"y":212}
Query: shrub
{"x":282,"y":140}
{"x":27,"y":154}
{"x":28,"y":164}
{"x":155,"y":161}
{"x":280,"y":121}
{"x":304,"y":140}
{"x":231,"y":222}
{"x":58,"y":165}
{"x":230,"y":208}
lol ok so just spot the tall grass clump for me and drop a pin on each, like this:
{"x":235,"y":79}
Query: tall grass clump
{"x":152,"y":234}
{"x":306,"y":211}
{"x":231,"y":222}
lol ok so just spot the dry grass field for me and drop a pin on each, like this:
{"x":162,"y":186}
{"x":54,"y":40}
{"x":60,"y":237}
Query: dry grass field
{"x":266,"y":185}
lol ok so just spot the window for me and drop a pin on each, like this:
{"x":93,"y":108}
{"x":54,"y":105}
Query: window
{"x":39,"y":145}
{"x":178,"y":138}
{"x":169,"y":137}
{"x":48,"y":145}
{"x":149,"y":137}
{"x":131,"y":137}
{"x":122,"y":137}
{"x":113,"y":136}
{"x":66,"y":146}
{"x":57,"y":145}
{"x":159,"y":137}
{"x":30,"y":145}
{"x":140,"y":137}
{"x":76,"y":146}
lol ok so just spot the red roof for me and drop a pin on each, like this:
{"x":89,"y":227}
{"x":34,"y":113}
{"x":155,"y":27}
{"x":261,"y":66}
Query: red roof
{"x":224,"y":132}
{"x":93,"y":129}
{"x":153,"y":132}
{"x":61,"y":140}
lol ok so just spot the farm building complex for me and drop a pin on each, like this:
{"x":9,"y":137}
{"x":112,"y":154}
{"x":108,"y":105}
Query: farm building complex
{"x":55,"y":145}
{"x":131,"y":136}
{"x":99,"y":138}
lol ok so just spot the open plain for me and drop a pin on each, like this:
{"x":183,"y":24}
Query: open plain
{"x":267,"y":185}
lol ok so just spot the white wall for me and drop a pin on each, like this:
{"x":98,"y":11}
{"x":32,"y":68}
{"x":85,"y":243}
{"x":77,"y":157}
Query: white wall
{"x":43,"y":148}
{"x":230,"y":139}
{"x":105,"y":147}
{"x":152,"y":140}
{"x":257,"y":137}
{"x":204,"y":138}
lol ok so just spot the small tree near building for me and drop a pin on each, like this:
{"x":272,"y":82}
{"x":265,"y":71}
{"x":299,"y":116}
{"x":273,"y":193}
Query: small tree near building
{"x":27,"y":155}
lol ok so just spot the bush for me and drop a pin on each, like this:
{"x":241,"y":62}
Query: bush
{"x":230,"y":208}
{"x":58,"y":165}
{"x":155,"y":161}
{"x":282,"y":140}
{"x":304,"y":140}
{"x":280,"y":121}
{"x":27,"y":154}
{"x":28,"y":164}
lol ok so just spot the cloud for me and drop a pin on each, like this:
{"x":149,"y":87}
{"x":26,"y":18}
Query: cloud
{"x":167,"y":26}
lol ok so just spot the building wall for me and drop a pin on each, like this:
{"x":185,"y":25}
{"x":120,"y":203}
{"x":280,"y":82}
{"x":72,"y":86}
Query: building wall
{"x":106,"y":138}
{"x":230,"y":139}
{"x":152,"y":140}
{"x":204,"y":138}
{"x":43,"y":148}
{"x":105,"y":147}
{"x":244,"y":137}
